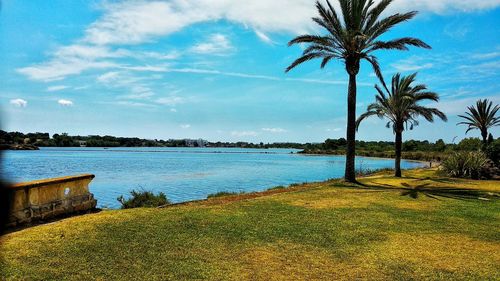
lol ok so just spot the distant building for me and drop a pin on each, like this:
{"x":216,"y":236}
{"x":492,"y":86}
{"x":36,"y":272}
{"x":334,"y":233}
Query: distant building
{"x":82,"y":143}
{"x":195,"y":143}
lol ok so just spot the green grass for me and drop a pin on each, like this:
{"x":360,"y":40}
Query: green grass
{"x":330,"y":231}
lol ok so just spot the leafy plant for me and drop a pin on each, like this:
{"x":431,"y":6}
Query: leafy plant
{"x":223,"y":193}
{"x":493,"y":151}
{"x":466,"y":164}
{"x":279,"y":187}
{"x":367,"y":171}
{"x":143,"y":198}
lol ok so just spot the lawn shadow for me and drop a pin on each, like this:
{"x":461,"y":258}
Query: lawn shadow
{"x":432,"y":191}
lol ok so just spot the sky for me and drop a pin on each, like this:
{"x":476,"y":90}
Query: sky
{"x":214,"y":69}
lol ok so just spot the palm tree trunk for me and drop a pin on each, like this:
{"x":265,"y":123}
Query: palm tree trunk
{"x":398,"y":144}
{"x":350,"y":174}
{"x":484,"y":134}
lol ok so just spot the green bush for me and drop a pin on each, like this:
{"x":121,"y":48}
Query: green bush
{"x":470,"y":144}
{"x":279,"y":187}
{"x":223,"y":193}
{"x":360,"y":172}
{"x":143,"y":198}
{"x":466,"y":164}
{"x":493,"y":151}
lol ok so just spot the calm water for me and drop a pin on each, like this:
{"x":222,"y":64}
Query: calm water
{"x":181,"y":173}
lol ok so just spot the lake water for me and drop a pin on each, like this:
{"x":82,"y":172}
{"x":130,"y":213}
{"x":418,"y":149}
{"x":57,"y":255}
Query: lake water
{"x":183,"y":174}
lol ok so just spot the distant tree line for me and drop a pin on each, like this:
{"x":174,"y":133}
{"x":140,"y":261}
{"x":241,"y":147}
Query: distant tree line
{"x":65,"y":140}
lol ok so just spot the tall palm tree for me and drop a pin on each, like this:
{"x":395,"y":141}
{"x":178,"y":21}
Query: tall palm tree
{"x":352,"y":38}
{"x":481,"y":117}
{"x":401,"y":106}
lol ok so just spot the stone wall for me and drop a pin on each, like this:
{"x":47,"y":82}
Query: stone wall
{"x":45,"y":199}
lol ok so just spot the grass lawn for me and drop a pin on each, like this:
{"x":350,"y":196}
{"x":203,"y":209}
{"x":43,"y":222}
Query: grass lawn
{"x":326,"y":231}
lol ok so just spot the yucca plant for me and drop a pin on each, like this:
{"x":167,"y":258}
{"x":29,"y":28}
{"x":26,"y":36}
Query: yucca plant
{"x":401,"y":106}
{"x":465,"y":164}
{"x":481,"y":117}
{"x":352,"y":35}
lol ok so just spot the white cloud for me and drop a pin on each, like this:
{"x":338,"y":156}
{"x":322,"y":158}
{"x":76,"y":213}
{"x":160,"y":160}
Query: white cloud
{"x":217,"y":44}
{"x":481,"y":56}
{"x":459,"y":106}
{"x":149,"y":68}
{"x":19,"y":102}
{"x":274,"y":130}
{"x":244,"y":133}
{"x":139,"y":92}
{"x":257,"y":76}
{"x":134,"y":22}
{"x":74,"y":59}
{"x":134,"y":104}
{"x":58,"y":69}
{"x":56,"y":88}
{"x":262,"y":36}
{"x":445,"y":6}
{"x":171,"y":101}
{"x":139,"y":21}
{"x":88,"y":52}
{"x":64,"y":102}
{"x":457,"y":30}
{"x":185,"y":126}
{"x":409,"y":65}
{"x":173,"y":110}
{"x":108,"y":77}
{"x":155,"y":55}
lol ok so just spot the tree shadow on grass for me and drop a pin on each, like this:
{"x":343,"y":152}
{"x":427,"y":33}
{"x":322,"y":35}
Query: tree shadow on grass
{"x":446,"y":192}
{"x":434,"y":192}
{"x":447,"y":180}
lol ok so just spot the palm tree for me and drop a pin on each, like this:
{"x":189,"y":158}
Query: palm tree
{"x":352,"y":38}
{"x":401,"y":107}
{"x":482,"y":117}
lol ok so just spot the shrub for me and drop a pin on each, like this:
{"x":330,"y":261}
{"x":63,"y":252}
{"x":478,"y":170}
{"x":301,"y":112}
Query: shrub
{"x":470,"y":144}
{"x":493,"y":151}
{"x":368,"y":172}
{"x":223,"y":193}
{"x":466,"y":164}
{"x":279,"y":187}
{"x":143,"y":198}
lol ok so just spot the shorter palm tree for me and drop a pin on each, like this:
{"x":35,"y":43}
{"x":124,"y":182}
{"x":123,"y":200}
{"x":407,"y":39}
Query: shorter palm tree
{"x":401,"y":107}
{"x":481,"y":117}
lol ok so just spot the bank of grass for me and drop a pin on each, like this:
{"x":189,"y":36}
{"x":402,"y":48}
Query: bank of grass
{"x":329,"y":231}
{"x":408,"y":155}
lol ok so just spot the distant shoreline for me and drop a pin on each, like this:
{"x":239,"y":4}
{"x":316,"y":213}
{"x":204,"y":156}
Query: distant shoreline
{"x":416,"y":156}
{"x":18,"y":147}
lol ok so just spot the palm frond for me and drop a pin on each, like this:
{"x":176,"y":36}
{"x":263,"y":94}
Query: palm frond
{"x":398,"y":44}
{"x":386,"y":24}
{"x":305,"y":58}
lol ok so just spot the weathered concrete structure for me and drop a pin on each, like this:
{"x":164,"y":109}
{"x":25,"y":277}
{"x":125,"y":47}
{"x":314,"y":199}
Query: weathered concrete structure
{"x":44,"y":199}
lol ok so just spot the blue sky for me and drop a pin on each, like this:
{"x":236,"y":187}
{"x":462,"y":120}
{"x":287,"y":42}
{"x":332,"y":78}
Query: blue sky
{"x":214,"y":69}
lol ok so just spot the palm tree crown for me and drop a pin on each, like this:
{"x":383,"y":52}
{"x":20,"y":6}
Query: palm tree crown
{"x":401,"y":104}
{"x":481,"y":117}
{"x":354,"y":38}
